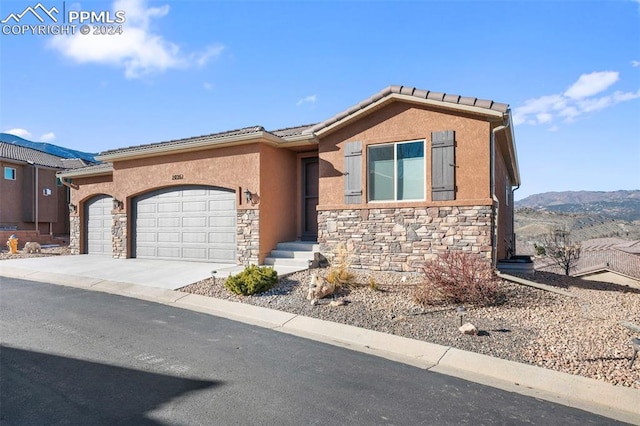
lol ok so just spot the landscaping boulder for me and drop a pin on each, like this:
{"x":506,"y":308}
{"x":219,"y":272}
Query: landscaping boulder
{"x":32,"y":247}
{"x":469,"y":329}
{"x":319,"y":288}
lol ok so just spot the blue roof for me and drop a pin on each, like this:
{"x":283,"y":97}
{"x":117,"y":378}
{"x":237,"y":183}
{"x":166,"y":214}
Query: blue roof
{"x":48,"y":148}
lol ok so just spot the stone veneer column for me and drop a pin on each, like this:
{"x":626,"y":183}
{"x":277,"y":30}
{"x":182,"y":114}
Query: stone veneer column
{"x":404,"y":239}
{"x":74,"y":234}
{"x":248,"y":236}
{"x":119,"y":235}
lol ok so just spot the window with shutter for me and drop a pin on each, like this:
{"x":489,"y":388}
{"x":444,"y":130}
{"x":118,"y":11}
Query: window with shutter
{"x":443,"y":168}
{"x":396,"y":171}
{"x":353,"y":173}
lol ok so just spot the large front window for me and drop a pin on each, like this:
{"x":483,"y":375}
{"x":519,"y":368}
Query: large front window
{"x":396,"y":171}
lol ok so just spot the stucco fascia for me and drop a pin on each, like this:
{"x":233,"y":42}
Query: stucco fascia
{"x":196,"y":145}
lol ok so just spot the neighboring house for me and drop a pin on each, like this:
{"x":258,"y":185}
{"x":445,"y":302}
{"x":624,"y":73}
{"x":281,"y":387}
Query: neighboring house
{"x":612,"y":260}
{"x":33,"y":201}
{"x":400,"y":177}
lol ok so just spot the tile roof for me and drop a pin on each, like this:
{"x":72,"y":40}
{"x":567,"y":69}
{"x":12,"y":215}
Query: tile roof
{"x":417,"y":93}
{"x":203,"y":138}
{"x":291,"y":131}
{"x":93,"y":169}
{"x":612,"y":254}
{"x":21,"y":153}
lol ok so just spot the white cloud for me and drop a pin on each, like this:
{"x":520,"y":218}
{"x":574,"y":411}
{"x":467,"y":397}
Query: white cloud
{"x":591,"y":84}
{"x":578,"y":100}
{"x":311,"y":99}
{"x":20,"y":133}
{"x":213,"y":51}
{"x":139,"y":50}
{"x":635,"y":64}
{"x":553,"y":129}
{"x":48,"y":137}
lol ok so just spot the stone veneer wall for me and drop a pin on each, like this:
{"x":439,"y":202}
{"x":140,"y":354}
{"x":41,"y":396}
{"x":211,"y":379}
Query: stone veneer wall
{"x":248,"y":236}
{"x":119,"y":235}
{"x":404,"y":239}
{"x":74,"y":234}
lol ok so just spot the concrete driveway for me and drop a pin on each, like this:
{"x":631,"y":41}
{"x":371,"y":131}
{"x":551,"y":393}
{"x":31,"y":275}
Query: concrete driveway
{"x":165,"y":274}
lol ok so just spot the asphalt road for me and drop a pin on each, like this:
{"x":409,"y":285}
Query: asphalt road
{"x":71,"y":356}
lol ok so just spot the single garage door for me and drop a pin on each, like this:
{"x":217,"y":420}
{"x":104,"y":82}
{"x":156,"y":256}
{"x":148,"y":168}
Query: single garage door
{"x":98,"y":216}
{"x":186,"y":223}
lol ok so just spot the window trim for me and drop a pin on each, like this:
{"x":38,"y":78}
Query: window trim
{"x":395,"y":172}
{"x":13,"y":173}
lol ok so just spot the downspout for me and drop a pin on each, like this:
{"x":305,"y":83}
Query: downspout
{"x":35,"y":190}
{"x":513,"y":219}
{"x":496,"y":202}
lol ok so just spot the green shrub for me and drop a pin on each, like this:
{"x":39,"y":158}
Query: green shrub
{"x":254,"y":279}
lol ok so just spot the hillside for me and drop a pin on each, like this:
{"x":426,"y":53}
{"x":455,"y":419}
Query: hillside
{"x":622,"y":205}
{"x":49,"y":148}
{"x":585,"y":214}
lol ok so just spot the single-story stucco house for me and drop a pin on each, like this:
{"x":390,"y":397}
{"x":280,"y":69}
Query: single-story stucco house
{"x":398,"y":178}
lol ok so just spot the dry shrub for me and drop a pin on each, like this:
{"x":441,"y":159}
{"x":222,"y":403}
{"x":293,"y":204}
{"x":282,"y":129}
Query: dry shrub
{"x":458,"y":277}
{"x":339,"y":265}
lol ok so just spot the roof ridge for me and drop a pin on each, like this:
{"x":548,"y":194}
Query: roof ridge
{"x":414,"y":92}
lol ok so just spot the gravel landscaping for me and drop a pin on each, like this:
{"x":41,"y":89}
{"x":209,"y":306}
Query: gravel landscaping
{"x":578,"y":335}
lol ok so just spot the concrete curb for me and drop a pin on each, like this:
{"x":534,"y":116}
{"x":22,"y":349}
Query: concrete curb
{"x":533,"y":284}
{"x":591,"y":395}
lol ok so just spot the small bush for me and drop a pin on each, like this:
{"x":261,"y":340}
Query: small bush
{"x":458,"y":277}
{"x":254,"y":279}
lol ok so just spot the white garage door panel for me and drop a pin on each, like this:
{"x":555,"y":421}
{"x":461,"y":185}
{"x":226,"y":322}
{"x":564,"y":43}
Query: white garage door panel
{"x":168,"y":222}
{"x":196,"y":222}
{"x":188,"y":224}
{"x":99,"y":226}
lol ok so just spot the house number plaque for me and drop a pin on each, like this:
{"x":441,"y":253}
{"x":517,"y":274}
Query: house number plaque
{"x":177,"y":177}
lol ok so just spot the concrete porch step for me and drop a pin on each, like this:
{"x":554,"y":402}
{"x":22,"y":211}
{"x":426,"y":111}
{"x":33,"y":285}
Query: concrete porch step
{"x":299,"y":246}
{"x":294,"y":255}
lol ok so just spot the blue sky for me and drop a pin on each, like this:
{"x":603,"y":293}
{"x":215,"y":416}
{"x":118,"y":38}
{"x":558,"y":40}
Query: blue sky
{"x":569,"y":70}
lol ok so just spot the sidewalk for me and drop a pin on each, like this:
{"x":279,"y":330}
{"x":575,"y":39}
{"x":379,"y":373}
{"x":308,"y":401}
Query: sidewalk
{"x":124,"y":277}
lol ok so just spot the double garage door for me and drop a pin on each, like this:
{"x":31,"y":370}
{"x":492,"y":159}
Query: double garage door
{"x":184,"y":223}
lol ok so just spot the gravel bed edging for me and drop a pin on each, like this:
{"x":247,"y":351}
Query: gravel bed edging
{"x":572,"y":329}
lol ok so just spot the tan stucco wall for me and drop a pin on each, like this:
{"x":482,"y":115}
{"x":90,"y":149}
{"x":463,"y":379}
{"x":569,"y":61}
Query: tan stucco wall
{"x":404,"y":122}
{"x":278,"y":198}
{"x":223,"y":167}
{"x":504,"y":209}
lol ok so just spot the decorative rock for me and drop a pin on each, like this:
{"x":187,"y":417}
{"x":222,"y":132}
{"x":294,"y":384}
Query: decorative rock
{"x":32,"y":247}
{"x":469,"y":329}
{"x":339,"y":302}
{"x":319,"y":287}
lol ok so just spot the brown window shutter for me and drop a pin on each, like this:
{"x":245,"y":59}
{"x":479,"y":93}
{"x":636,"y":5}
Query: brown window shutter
{"x":443,"y":169}
{"x":353,"y":173}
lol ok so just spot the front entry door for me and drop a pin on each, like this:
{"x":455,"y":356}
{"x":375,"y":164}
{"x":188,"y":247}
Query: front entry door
{"x":310,"y":183}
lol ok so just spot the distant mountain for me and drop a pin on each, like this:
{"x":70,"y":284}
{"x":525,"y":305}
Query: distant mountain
{"x":622,"y":205}
{"x":49,"y":148}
